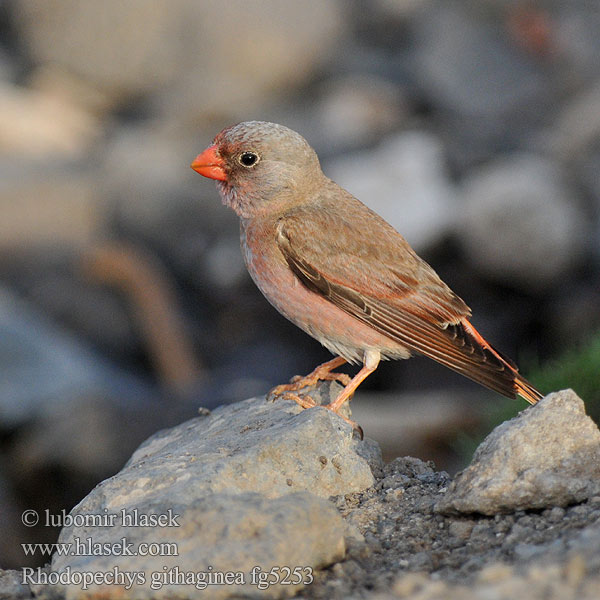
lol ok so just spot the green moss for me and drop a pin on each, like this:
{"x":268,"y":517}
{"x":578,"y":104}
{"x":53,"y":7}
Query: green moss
{"x":577,"y":368}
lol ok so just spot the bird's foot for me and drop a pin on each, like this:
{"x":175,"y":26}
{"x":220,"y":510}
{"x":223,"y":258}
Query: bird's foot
{"x":308,"y":402}
{"x":323,"y":372}
{"x":303,"y":401}
{"x":355,"y":426}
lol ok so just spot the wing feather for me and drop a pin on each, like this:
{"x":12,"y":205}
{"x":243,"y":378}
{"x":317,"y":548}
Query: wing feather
{"x":384,"y":284}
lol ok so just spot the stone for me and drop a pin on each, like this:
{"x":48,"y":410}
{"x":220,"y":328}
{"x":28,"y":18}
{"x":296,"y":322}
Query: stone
{"x":517,"y":213}
{"x":405,"y":181}
{"x":244,"y":536}
{"x":477,"y":81}
{"x":12,"y":587}
{"x":549,"y":455}
{"x":391,"y":529}
{"x":36,"y":124}
{"x":577,"y":125}
{"x":255,"y":445}
{"x":44,"y":367}
{"x":47,"y":204}
{"x":182,"y":49}
{"x":461,"y":529}
{"x":247,"y":484}
{"x":373,"y":105}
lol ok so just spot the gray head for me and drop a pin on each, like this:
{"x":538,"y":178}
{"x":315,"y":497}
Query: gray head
{"x":260,"y":166}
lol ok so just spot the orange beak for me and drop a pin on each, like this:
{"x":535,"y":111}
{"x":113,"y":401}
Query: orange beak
{"x":210,"y":164}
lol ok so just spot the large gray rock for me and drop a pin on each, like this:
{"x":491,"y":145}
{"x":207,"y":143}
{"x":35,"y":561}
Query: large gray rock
{"x":49,"y":203}
{"x":476,"y":80}
{"x":182,"y":47}
{"x":405,"y":181}
{"x":35,"y":124}
{"x":549,"y":455}
{"x":241,"y":534}
{"x":239,"y":482}
{"x":11,"y":586}
{"x":255,"y":445}
{"x":520,"y":223}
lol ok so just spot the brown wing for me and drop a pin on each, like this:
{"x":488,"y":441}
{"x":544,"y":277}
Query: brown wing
{"x":372,"y":274}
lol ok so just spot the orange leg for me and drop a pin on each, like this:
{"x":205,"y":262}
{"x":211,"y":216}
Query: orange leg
{"x":321,"y":373}
{"x":349,"y":390}
{"x":370,"y":362}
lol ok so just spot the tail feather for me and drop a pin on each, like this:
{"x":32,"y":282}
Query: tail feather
{"x":507,"y":380}
{"x":526,"y":390}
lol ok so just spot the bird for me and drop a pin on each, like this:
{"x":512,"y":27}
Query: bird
{"x":339,"y":271}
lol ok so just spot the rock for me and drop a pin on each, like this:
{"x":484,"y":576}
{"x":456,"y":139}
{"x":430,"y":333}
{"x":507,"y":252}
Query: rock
{"x":106,"y":53}
{"x":549,"y":455}
{"x":550,"y":582}
{"x":11,"y":586}
{"x":477,"y":81}
{"x":517,"y":213}
{"x":372,"y":105}
{"x":460,"y":529}
{"x":182,"y":48}
{"x":47,"y":203}
{"x":577,"y":125}
{"x":431,"y":555}
{"x":404,"y":180}
{"x":255,"y":445}
{"x":44,"y":366}
{"x":279,"y":46}
{"x":238,"y":481}
{"x":36,"y":124}
{"x":245,"y":534}
{"x":55,"y":82}
{"x":391,"y":528}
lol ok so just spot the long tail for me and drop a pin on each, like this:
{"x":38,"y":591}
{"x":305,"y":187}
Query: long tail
{"x":526,"y":390}
{"x":508,"y":381}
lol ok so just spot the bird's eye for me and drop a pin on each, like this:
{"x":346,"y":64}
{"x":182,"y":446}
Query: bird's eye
{"x":248,"y":159}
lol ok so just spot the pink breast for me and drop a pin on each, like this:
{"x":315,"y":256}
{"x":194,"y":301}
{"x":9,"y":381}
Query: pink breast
{"x":335,"y":329}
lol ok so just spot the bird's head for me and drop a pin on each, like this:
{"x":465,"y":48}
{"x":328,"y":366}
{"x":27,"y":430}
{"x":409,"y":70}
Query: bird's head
{"x":259,"y":167}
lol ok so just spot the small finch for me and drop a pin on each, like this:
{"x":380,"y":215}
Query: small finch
{"x":338,"y":270}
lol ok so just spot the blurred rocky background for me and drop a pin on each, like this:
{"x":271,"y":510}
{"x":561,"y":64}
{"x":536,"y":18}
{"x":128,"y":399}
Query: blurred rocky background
{"x":473,"y":126}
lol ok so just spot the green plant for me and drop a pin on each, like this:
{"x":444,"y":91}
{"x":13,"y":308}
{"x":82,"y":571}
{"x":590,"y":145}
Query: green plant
{"x":577,"y":368}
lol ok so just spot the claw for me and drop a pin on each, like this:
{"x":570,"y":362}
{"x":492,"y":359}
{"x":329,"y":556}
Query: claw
{"x":355,"y":426}
{"x":324,"y":372}
{"x":321,"y":373}
{"x":303,"y":401}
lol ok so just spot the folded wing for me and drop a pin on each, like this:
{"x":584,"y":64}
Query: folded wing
{"x":378,"y":279}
